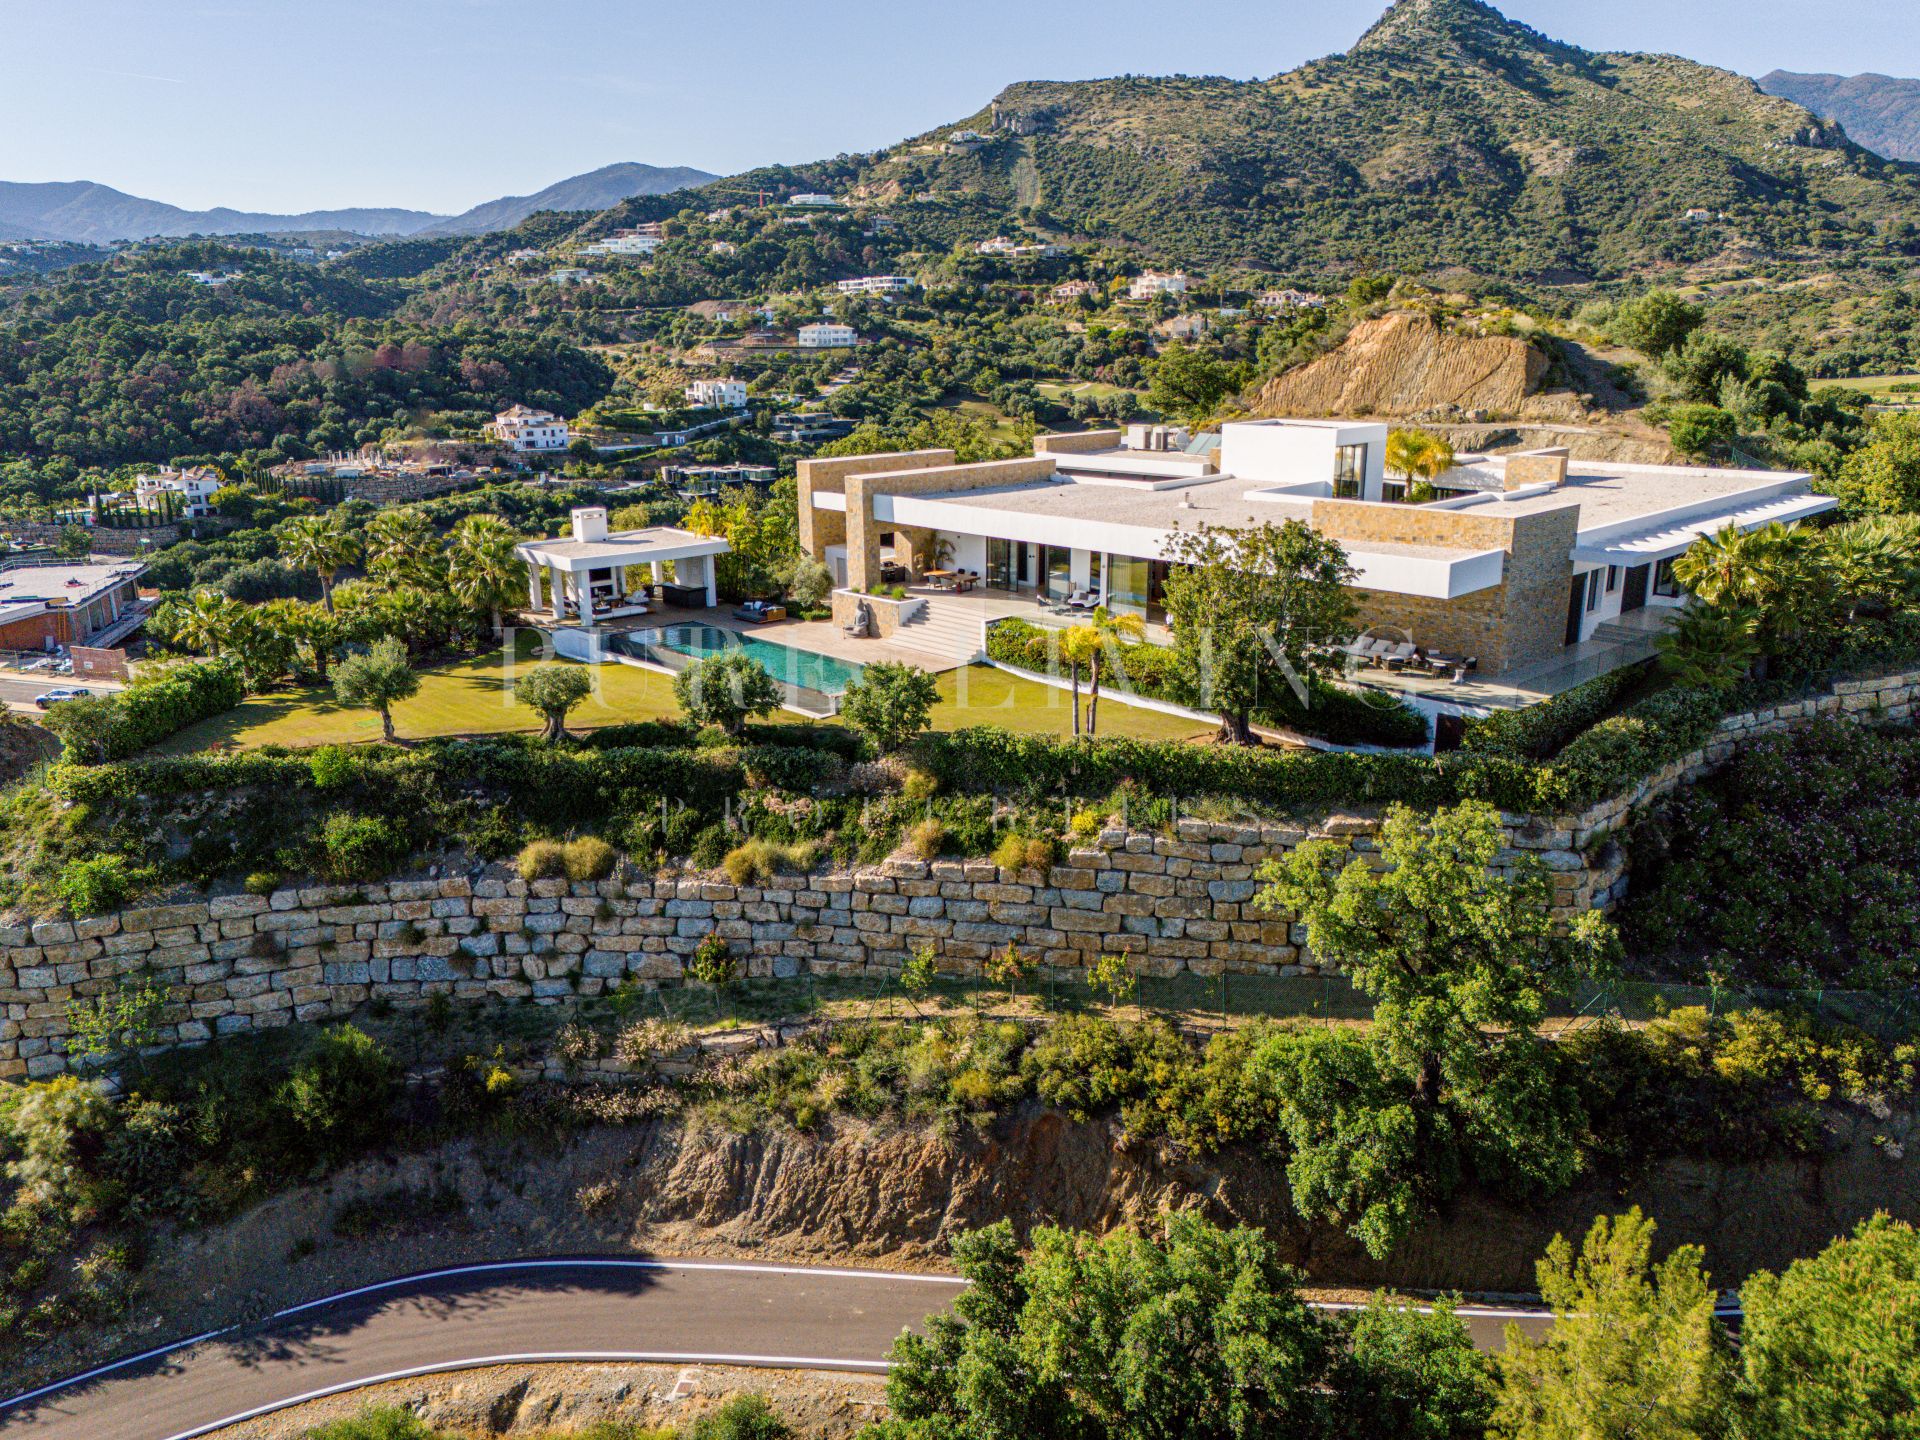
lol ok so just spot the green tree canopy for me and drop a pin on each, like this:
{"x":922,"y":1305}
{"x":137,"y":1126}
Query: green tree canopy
{"x":726,"y":690}
{"x":1828,"y":1346}
{"x":1254,"y":612}
{"x":377,"y":679}
{"x":1634,"y":1354}
{"x":553,"y":691}
{"x":890,"y":703}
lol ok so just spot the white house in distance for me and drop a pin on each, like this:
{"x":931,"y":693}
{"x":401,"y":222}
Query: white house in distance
{"x":529,"y":431}
{"x":594,"y":574}
{"x":823,"y":335}
{"x":1290,"y":300}
{"x":1517,"y":559}
{"x":718,"y":394}
{"x":1155,"y":282}
{"x":876,"y":285}
{"x":187,"y":493}
{"x":623,"y":242}
{"x":813,"y":201}
{"x":1001,"y":245}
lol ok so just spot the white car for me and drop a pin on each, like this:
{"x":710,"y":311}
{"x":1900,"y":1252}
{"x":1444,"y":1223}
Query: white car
{"x":54,"y":697}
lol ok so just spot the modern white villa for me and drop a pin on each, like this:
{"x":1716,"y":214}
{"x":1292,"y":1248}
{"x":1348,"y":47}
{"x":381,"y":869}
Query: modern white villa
{"x":595,"y":575}
{"x":523,"y":429}
{"x":1517,"y":559}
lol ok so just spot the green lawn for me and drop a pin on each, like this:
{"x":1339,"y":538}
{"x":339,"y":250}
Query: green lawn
{"x":1874,"y":384}
{"x":471,"y":698}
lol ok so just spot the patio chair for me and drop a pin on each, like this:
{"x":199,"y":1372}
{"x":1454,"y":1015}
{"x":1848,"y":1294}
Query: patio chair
{"x":1082,"y":600}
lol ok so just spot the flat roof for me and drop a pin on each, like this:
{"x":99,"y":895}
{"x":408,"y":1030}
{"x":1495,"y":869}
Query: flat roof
{"x":1620,"y":494}
{"x":1213,"y":500}
{"x":621,"y":547}
{"x":64,"y":584}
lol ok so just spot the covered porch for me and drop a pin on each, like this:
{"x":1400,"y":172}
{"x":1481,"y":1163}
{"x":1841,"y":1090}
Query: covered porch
{"x":595,"y":576}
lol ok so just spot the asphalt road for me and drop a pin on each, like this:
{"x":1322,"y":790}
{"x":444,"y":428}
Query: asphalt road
{"x":661,"y":1310}
{"x":20,"y":689}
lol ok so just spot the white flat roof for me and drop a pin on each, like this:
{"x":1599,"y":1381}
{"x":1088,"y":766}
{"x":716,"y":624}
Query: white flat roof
{"x":622,"y":547}
{"x":1663,"y":541}
{"x":64,"y":584}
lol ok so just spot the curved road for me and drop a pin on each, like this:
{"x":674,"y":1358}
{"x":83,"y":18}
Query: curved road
{"x":691,"y":1311}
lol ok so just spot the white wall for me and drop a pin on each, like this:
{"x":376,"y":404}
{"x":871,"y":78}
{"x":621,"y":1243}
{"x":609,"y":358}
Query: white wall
{"x":1290,"y":453}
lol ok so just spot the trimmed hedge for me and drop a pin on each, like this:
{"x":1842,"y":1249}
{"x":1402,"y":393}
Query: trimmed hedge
{"x":1540,"y":731}
{"x":145,"y":714}
{"x":1332,"y":712}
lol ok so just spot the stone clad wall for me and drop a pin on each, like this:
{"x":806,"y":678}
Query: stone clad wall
{"x":1169,"y":902}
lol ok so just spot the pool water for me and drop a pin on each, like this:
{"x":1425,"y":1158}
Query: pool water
{"x":800,"y":668}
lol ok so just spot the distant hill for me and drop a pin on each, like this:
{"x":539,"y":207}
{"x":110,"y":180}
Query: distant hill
{"x":84,"y":212}
{"x":1879,"y":111}
{"x":1447,"y":137}
{"x":596,"y":190}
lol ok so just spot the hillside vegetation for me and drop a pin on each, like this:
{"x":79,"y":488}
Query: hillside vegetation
{"x":1448,"y":136}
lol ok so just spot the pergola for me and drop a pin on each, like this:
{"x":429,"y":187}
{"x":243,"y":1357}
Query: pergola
{"x":590,"y":576}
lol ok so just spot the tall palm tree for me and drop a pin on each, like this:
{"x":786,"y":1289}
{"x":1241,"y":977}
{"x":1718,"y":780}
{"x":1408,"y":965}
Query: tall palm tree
{"x":482,"y":569}
{"x":308,"y":542}
{"x":1109,"y":630}
{"x":1079,"y":644}
{"x":403,"y":548}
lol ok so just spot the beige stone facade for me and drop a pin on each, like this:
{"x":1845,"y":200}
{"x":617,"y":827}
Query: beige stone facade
{"x":1517,"y":622}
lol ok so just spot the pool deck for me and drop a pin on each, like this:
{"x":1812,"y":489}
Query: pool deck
{"x":819,"y":637}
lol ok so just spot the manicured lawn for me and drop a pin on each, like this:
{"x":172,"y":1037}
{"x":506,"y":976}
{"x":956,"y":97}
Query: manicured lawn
{"x":471,"y":698}
{"x":981,"y":695}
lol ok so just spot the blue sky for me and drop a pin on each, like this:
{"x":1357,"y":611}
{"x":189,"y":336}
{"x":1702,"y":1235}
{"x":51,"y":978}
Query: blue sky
{"x":440,"y":104}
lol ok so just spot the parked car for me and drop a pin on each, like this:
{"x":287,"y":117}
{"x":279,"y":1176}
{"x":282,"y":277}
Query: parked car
{"x":54,"y":697}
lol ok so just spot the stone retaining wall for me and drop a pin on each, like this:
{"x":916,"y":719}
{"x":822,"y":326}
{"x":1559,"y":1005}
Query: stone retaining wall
{"x":1169,"y":902}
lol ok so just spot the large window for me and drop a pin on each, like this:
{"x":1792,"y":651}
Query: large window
{"x":1349,"y":472}
{"x":1127,"y":581}
{"x":1664,"y":585}
{"x":1057,"y":567}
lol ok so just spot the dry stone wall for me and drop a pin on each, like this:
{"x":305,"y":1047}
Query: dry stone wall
{"x":1169,"y":902}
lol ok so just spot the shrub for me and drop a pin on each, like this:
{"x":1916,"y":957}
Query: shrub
{"x":710,"y":847}
{"x":1087,"y":823}
{"x":360,"y":847}
{"x":756,"y":859}
{"x":712,"y":962}
{"x":95,"y":883}
{"x":382,"y":1422}
{"x":542,"y":860}
{"x":926,"y":838}
{"x":339,"y":1093}
{"x":588,"y":858}
{"x":54,"y":1126}
{"x":1041,"y":852}
{"x":1541,"y":731}
{"x":150,"y":710}
{"x":332,"y":767}
{"x":1011,"y":852}
{"x":918,"y":786}
{"x":744,"y":1417}
{"x":261,"y":882}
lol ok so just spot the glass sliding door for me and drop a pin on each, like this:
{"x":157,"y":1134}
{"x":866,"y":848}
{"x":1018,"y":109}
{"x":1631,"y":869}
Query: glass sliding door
{"x":1127,"y":584}
{"x":1056,"y":565}
{"x":1000,"y":565}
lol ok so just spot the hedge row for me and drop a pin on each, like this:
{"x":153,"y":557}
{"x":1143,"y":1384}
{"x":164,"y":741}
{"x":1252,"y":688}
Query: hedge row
{"x":147,"y":713}
{"x":1539,"y":732}
{"x":1154,"y":672}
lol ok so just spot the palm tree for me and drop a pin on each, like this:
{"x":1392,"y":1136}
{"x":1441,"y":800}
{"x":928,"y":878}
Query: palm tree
{"x":1725,"y":568}
{"x":482,"y":569}
{"x":1418,"y":456}
{"x":1109,"y":630}
{"x":308,"y":542}
{"x":208,"y":622}
{"x":1079,"y":645}
{"x":1711,"y":647}
{"x":403,"y":548}
{"x":1869,"y":563}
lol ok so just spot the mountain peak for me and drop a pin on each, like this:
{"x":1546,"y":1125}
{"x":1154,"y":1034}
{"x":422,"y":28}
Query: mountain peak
{"x":1424,"y":26}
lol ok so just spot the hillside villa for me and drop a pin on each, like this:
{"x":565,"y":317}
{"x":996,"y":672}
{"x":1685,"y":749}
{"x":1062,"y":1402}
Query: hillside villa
{"x":527,"y":430}
{"x":1520,"y":559}
{"x":184,"y":493}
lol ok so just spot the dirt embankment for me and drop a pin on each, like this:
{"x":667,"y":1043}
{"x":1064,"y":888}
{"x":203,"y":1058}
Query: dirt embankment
{"x":1485,"y":393}
{"x":547,"y":1400}
{"x":895,"y":1196}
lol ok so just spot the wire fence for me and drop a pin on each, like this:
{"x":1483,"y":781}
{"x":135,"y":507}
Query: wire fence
{"x":1205,"y":1001}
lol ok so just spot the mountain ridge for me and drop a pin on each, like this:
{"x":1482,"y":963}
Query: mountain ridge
{"x":1447,"y":137}
{"x":88,"y":212}
{"x":1881,"y":112}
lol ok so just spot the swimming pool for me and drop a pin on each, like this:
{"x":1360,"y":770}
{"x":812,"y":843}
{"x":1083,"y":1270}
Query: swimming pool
{"x":806,"y":677}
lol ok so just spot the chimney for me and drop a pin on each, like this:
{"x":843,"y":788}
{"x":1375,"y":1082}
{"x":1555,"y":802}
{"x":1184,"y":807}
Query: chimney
{"x":590,"y":523}
{"x":1537,"y":467}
